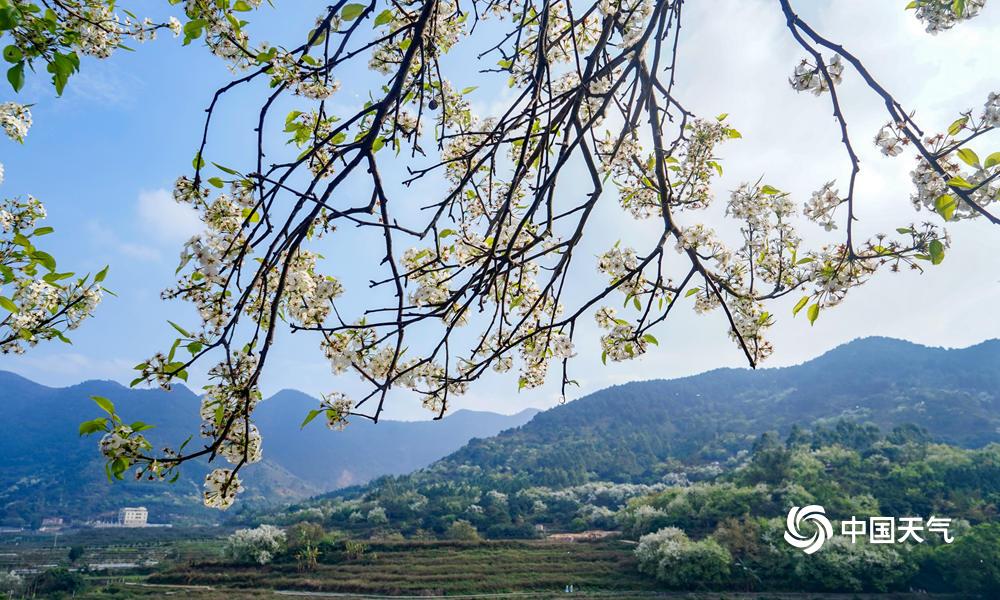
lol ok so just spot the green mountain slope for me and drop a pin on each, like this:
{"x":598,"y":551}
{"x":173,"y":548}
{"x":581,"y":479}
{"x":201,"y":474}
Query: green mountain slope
{"x":622,"y":433}
{"x":573,"y":466}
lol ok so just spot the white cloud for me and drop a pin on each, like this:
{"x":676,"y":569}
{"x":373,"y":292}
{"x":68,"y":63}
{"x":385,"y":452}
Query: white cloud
{"x":166,"y":220}
{"x":108,"y":239}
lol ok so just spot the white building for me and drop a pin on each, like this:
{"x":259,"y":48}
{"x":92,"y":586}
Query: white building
{"x":133,"y":516}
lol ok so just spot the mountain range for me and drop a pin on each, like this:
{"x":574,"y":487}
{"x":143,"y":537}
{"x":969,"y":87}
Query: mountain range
{"x":626,"y":433}
{"x":631,"y":433}
{"x":46,"y":469}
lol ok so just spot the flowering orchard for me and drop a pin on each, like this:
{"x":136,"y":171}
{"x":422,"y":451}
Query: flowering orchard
{"x":478,"y":279}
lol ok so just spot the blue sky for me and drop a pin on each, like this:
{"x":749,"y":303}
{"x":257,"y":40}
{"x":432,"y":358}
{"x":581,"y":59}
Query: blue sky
{"x":104,"y":156}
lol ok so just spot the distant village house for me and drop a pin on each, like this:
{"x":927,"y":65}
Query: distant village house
{"x":583,"y":536}
{"x":133,"y":516}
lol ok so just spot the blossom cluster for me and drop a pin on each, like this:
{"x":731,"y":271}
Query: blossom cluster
{"x":817,"y":78}
{"x":15,"y":119}
{"x":957,"y":171}
{"x":37,"y":303}
{"x":940,"y":15}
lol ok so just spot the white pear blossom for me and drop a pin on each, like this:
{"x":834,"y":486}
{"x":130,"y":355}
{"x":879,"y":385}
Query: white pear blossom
{"x":810,"y":77}
{"x":822,"y":204}
{"x":15,"y":119}
{"x":221,"y":487}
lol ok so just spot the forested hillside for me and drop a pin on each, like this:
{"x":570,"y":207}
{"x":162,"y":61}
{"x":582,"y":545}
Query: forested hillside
{"x":624,"y":432}
{"x":573,"y":466}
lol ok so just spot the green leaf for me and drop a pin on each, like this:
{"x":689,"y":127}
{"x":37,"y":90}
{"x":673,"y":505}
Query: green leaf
{"x":352,"y":11}
{"x":937,"y":252}
{"x":945,"y":206}
{"x":93,"y":426}
{"x":652,"y":340}
{"x":101,"y":275}
{"x":193,"y":30}
{"x":12,"y":54}
{"x":992,"y":160}
{"x":233,"y":171}
{"x":813,"y":313}
{"x":15,"y":75}
{"x":959,"y":182}
{"x":104,"y":403}
{"x":769,"y":190}
{"x":383,"y":17}
{"x":62,"y":66}
{"x":312,"y":415}
{"x":957,"y":125}
{"x":216,"y":182}
{"x":800,"y":305}
{"x":968,"y":157}
{"x":8,"y":304}
{"x":9,"y":17}
{"x":179,"y":329}
{"x":470,"y":89}
{"x":242,"y":6}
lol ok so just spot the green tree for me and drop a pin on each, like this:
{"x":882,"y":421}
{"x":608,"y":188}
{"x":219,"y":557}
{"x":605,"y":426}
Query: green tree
{"x":56,"y":583}
{"x":75,"y":553}
{"x":970,"y":564}
{"x":462,"y":530}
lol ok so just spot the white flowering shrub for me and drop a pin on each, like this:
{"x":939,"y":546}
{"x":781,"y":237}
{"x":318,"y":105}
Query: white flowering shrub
{"x":676,"y":560}
{"x":377,"y":516}
{"x":488,"y":272}
{"x":258,"y":545}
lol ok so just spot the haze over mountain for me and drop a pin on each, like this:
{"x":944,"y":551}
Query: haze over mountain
{"x":46,"y":469}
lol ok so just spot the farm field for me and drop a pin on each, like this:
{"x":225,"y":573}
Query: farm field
{"x":189,"y":564}
{"x":439,"y":568}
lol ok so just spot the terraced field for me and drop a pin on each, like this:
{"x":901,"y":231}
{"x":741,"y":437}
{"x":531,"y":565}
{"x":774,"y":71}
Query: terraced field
{"x":439,"y":568}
